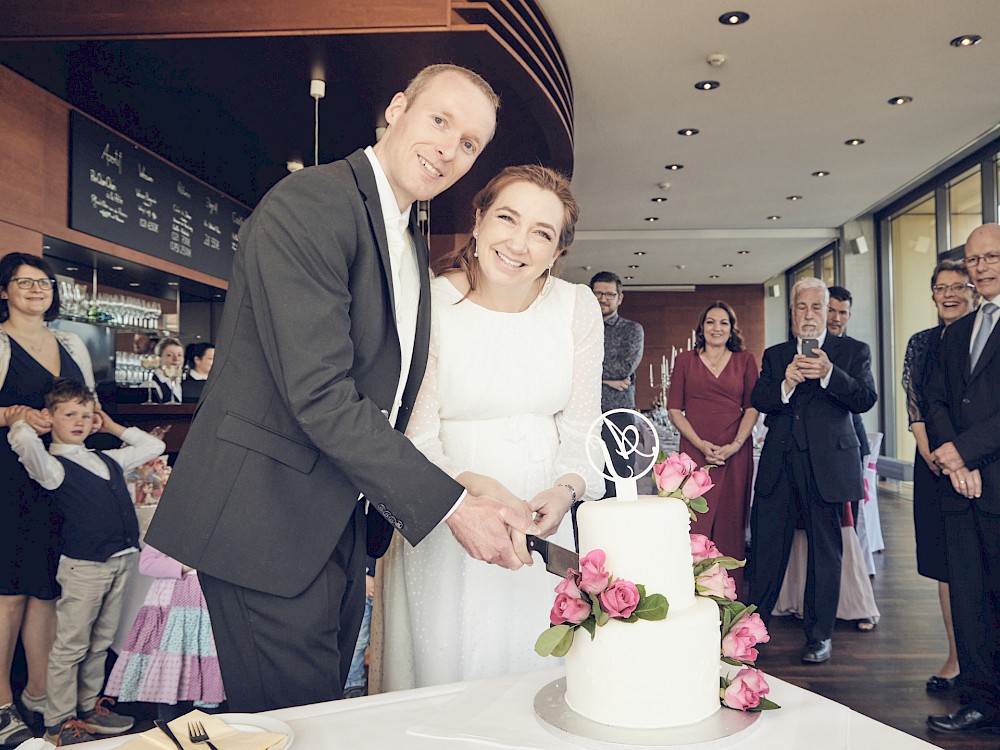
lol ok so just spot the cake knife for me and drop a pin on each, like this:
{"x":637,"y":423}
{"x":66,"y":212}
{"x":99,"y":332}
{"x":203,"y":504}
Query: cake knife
{"x":557,"y":559}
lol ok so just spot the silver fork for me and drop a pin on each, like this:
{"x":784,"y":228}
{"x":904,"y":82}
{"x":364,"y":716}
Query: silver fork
{"x":197,"y":733}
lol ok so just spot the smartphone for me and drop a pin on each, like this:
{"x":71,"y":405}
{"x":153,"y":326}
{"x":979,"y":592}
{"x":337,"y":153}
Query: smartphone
{"x":809,"y":347}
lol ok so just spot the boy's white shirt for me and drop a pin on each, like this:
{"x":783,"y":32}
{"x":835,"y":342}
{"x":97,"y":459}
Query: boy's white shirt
{"x":45,"y":469}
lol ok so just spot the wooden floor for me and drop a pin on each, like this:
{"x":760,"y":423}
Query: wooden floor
{"x":882,"y":674}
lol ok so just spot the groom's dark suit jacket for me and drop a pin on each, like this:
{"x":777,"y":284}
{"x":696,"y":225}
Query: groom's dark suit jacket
{"x":292,"y":424}
{"x":825,"y":416}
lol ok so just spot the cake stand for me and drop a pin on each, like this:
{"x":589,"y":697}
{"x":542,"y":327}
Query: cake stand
{"x":717,"y":731}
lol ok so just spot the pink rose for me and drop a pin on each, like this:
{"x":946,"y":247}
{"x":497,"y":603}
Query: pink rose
{"x":569,"y":609}
{"x":568,"y":586}
{"x":746,"y":690}
{"x":703,"y":548}
{"x":743,"y":635}
{"x":620,"y":598}
{"x":593,"y":577}
{"x":697,"y":484}
{"x":671,"y":472}
{"x":717,"y":582}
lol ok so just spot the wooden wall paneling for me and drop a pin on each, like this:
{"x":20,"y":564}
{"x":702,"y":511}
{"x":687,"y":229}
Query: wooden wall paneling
{"x":34,"y":162}
{"x":18,"y":239}
{"x":669,"y":317}
{"x":127,"y":18}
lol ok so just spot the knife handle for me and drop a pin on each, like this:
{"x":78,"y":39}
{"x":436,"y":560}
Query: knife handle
{"x":540,"y":546}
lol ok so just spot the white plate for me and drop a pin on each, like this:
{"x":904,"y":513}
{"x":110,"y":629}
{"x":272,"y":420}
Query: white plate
{"x":259,"y":723}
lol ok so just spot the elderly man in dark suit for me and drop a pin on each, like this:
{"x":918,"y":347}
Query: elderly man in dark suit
{"x":964,"y":424}
{"x":322,"y":348}
{"x":809,"y":387}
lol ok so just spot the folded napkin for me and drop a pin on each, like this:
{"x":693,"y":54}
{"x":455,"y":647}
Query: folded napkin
{"x":221,"y":734}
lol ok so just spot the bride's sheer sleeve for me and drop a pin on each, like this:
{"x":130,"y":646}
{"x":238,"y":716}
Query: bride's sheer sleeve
{"x":584,"y":405}
{"x":424,"y":427}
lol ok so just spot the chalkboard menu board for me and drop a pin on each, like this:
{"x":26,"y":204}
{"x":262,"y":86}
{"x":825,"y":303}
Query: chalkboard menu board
{"x":127,"y":195}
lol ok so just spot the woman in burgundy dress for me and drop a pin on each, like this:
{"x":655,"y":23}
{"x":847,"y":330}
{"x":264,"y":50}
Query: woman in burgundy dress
{"x":709,"y":403}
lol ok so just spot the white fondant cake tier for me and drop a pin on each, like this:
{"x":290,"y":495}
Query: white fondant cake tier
{"x":646,"y":674}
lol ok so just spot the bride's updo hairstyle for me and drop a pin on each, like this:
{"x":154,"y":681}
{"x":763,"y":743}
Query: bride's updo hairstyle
{"x":463,"y":256}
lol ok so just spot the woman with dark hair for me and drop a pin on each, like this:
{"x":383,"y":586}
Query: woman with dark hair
{"x":512,"y":386}
{"x":954,"y":298}
{"x":32,"y":356}
{"x":198,"y":359}
{"x":709,"y":404}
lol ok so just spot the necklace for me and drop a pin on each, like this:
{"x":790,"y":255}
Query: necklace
{"x":25,"y":342}
{"x":715,"y":366}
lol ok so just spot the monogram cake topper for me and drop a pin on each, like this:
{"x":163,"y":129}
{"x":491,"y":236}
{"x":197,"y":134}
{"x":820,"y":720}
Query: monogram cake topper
{"x":623,"y":445}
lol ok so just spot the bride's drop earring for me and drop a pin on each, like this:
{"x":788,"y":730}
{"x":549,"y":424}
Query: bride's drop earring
{"x":475,"y":251}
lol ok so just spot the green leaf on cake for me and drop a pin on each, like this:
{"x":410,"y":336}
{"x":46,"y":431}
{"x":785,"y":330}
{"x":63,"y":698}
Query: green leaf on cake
{"x":601,"y":618}
{"x":733,"y":662}
{"x":552,"y":639}
{"x":766,"y":705}
{"x":590,"y":626}
{"x":699,"y":504}
{"x":563,"y":646}
{"x":653,"y":607}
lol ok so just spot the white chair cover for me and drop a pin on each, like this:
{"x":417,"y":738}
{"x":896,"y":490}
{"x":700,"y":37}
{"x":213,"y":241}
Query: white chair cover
{"x":869,"y":526}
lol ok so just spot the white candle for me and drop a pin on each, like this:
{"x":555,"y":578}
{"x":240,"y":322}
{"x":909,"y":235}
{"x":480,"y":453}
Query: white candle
{"x":651,"y":384}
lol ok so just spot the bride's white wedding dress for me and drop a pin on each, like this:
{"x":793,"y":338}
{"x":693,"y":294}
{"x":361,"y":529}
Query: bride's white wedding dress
{"x":510,"y":396}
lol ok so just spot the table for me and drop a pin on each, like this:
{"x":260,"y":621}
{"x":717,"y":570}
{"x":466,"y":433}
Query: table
{"x":498,"y":713}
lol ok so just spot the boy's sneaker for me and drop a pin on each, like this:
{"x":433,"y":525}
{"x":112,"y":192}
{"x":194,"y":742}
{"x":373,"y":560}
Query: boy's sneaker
{"x":102,"y":720}
{"x":71,"y":732}
{"x":13,"y":730}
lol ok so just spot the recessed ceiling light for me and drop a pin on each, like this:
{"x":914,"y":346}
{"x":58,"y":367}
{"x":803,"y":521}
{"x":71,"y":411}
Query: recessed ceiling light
{"x":820,"y":173}
{"x":674,"y":167}
{"x":854,"y":142}
{"x":217,"y":296}
{"x":639,"y":252}
{"x":651,"y":218}
{"x":706,"y":85}
{"x":72,"y":268}
{"x":629,"y":277}
{"x":966,"y":40}
{"x":727,"y":265}
{"x":117,"y":268}
{"x":734,"y":18}
{"x":659,"y":199}
{"x":743,"y":252}
{"x":173,"y":283}
{"x":46,"y":247}
{"x":773,"y":218}
{"x":688,"y":131}
{"x":897,"y":100}
{"x":793,"y":198}
{"x":714,"y":276}
{"x":133,"y":283}
{"x":633,"y":265}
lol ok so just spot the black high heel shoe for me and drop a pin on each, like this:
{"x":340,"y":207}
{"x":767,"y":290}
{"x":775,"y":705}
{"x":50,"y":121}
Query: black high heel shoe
{"x":941,"y":684}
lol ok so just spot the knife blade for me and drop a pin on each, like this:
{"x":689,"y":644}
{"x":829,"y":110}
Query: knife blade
{"x":162,"y":726}
{"x":557,"y":559}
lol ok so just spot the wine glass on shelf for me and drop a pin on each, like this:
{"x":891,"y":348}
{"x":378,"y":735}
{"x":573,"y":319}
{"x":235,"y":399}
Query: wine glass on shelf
{"x":149,"y":362}
{"x":173,"y":373}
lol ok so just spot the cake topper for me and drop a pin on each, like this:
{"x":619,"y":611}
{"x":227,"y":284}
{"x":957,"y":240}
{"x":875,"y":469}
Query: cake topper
{"x":623,"y":445}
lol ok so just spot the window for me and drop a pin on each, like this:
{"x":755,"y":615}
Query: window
{"x":912,"y":233}
{"x":965,"y":205}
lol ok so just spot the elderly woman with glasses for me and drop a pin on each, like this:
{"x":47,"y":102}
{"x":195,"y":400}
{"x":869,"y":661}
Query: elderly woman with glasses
{"x":31,"y":357}
{"x":954,"y":298}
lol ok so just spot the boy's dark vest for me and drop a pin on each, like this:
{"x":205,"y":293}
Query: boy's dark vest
{"x":98,"y":516}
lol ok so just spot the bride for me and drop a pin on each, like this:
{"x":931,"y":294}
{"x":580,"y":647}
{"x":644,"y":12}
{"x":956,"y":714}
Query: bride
{"x":512,"y":386}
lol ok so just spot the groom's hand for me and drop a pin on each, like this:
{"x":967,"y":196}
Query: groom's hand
{"x":484,"y":527}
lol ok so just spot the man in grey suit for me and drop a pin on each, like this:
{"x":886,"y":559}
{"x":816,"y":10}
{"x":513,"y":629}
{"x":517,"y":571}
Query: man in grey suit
{"x":963,"y":424}
{"x":322,"y":348}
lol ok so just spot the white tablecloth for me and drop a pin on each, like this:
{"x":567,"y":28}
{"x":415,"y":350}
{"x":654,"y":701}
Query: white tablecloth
{"x":498,"y":713}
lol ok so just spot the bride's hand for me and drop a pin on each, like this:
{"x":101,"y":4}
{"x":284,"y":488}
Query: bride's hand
{"x":549,"y":507}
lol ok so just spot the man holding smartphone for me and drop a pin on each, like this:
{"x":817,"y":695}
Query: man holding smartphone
{"x":809,"y":387}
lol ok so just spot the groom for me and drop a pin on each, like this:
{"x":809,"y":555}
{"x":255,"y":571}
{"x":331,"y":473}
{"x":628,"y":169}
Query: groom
{"x":322,"y":349}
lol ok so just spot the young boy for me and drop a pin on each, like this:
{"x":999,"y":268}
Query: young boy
{"x":100,"y":535}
